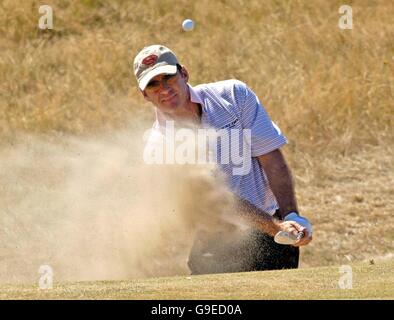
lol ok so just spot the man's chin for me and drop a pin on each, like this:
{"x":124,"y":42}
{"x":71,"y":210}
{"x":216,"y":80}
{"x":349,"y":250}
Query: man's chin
{"x":169,"y":107}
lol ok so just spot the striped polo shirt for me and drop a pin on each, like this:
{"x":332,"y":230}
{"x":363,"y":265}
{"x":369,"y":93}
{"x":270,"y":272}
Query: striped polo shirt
{"x":231,"y":105}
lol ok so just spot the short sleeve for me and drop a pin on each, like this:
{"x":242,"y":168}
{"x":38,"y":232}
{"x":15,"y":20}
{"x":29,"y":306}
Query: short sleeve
{"x":265,"y":134}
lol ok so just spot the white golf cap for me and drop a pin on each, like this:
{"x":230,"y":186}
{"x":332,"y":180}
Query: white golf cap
{"x":152,"y":61}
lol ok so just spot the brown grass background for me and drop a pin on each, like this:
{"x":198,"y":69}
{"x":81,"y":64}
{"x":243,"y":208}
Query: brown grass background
{"x":329,"y":90}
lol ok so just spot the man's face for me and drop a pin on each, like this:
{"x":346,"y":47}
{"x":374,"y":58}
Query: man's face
{"x":169,"y":93}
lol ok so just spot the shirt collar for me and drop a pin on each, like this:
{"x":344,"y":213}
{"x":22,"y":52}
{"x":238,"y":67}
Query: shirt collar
{"x":194,"y":95}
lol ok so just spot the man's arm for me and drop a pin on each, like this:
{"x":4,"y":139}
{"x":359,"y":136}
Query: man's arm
{"x":262,"y":220}
{"x":280,"y":180}
{"x":268,"y":224}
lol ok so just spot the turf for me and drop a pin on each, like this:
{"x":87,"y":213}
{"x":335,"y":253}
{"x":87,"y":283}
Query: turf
{"x":369,"y":281}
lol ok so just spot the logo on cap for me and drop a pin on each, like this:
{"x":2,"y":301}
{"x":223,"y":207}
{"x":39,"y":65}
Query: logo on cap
{"x":149,"y":60}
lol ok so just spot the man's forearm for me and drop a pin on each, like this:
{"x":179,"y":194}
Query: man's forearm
{"x":280,"y":181}
{"x":260,"y":219}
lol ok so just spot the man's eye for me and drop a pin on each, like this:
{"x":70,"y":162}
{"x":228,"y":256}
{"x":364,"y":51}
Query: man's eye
{"x":168,"y":76}
{"x":153,"y":84}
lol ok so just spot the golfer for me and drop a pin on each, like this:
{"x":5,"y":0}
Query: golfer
{"x":266,"y":191}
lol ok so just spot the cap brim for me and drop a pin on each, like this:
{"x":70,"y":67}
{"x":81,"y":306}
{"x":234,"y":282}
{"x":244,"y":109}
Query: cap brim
{"x":167,"y":69}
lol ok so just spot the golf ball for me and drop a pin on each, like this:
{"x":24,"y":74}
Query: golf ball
{"x":188,"y":25}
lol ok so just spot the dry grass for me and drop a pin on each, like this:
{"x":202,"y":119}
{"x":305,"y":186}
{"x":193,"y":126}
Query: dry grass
{"x":330,"y":90}
{"x":350,"y":200}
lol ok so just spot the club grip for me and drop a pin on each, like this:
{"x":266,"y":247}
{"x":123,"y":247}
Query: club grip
{"x":300,"y":235}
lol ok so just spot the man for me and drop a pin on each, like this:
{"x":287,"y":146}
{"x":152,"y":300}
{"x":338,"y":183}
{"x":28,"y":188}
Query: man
{"x":266,"y":191}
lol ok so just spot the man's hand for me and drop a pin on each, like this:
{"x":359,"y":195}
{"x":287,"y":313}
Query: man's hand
{"x":294,"y":229}
{"x":268,"y":224}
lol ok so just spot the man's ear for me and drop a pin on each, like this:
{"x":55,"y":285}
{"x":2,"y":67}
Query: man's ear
{"x":184,"y":73}
{"x":145,"y":95}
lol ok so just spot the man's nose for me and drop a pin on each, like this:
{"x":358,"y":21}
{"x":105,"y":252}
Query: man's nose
{"x":164,"y":85}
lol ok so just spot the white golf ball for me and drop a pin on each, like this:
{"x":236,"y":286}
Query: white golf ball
{"x":188,"y":25}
